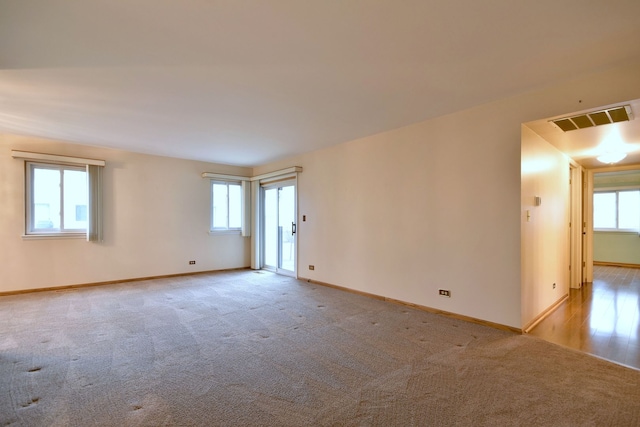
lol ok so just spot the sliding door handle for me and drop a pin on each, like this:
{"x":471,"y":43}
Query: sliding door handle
{"x":293,"y":228}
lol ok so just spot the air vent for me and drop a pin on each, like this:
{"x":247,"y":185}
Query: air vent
{"x":595,"y":118}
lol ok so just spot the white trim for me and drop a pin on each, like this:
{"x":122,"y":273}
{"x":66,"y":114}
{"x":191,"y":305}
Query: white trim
{"x":258,"y":183}
{"x":280,"y":174}
{"x":265,"y":177}
{"x":277,"y":179}
{"x":632,"y":187}
{"x":223,"y":232}
{"x":54,"y":236}
{"x":93,"y":169}
{"x":30,"y":228}
{"x":55,"y":158}
{"x":228,"y":185}
{"x":225,"y":177}
{"x":256,"y":226}
{"x":246,"y":209}
{"x":280,"y":182}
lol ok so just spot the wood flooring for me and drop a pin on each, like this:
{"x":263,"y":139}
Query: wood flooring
{"x":602,"y":318}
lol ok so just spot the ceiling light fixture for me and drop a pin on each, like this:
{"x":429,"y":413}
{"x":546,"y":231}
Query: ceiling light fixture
{"x":611,"y":157}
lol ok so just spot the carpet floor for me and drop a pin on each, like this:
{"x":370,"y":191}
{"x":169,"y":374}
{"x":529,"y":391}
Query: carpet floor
{"x":252,"y":348}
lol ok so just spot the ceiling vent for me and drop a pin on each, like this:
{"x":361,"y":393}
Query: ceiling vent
{"x":595,"y":118}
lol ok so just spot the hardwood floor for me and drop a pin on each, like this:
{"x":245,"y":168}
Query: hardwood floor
{"x":602,"y":318}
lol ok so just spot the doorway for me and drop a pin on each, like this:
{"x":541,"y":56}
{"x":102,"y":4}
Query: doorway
{"x":279,"y":228}
{"x":616,"y":216}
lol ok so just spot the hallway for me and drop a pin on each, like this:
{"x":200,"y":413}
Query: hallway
{"x":602,"y":318}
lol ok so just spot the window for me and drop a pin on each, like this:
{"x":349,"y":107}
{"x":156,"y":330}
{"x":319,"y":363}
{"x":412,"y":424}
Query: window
{"x":57,"y":199}
{"x":226,"y":206}
{"x":616,"y":210}
{"x":63,"y":196}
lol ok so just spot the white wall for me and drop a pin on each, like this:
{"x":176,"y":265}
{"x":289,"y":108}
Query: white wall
{"x":436,"y":204}
{"x":403,"y":213}
{"x":156,"y":219}
{"x":545,"y":230}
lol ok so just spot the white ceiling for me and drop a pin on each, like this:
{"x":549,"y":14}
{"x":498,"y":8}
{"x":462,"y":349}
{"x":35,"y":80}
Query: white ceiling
{"x":247,"y":82}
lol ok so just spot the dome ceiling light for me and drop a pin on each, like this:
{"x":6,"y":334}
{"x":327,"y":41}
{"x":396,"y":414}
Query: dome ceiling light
{"x":611,"y":157}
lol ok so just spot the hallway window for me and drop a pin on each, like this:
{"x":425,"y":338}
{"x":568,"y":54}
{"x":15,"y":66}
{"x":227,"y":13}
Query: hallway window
{"x":616,"y":210}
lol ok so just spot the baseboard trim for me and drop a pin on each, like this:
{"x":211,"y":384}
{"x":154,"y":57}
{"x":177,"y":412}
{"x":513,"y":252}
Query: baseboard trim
{"x":418,"y":306}
{"x":540,"y":317}
{"x":616,"y":264}
{"x":115,"y":282}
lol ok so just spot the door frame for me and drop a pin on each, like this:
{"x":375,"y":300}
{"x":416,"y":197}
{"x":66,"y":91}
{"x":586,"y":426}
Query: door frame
{"x":286,"y":182}
{"x":588,"y":213}
{"x":576,"y":226}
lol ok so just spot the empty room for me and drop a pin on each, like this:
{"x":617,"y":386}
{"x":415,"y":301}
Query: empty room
{"x":289,"y":213}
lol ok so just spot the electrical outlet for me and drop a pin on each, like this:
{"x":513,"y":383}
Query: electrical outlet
{"x":444,"y":293}
{"x":191,"y":262}
{"x":554,"y":286}
{"x":312,"y":267}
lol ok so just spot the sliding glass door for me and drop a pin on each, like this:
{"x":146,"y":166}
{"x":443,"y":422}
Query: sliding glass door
{"x":279,"y":227}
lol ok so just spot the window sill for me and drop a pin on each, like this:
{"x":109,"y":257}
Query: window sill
{"x":613,"y":231}
{"x":224,"y":232}
{"x":54,"y":236}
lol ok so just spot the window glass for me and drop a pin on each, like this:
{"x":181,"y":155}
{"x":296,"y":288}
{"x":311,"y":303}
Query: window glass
{"x":75,"y":199}
{"x":604,"y":210}
{"x":629,"y":210}
{"x":617,"y":210}
{"x":46,"y":199}
{"x":271,"y":227}
{"x":57,"y":199}
{"x":226,"y":209}
{"x":220,"y":206}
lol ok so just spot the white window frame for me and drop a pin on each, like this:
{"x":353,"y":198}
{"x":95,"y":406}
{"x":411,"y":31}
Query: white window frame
{"x":227,"y":229}
{"x":30,"y":227}
{"x":617,"y":193}
{"x":94,"y":169}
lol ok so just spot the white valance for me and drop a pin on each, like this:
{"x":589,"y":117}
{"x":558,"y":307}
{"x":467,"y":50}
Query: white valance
{"x":26,"y":155}
{"x":263,"y":178}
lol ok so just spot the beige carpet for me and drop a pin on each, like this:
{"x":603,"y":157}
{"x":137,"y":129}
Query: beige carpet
{"x":255,"y":349}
